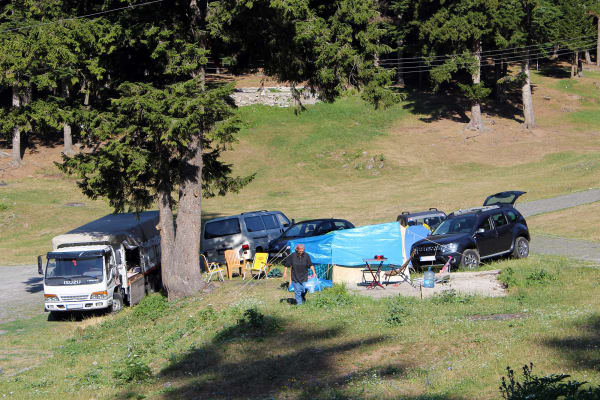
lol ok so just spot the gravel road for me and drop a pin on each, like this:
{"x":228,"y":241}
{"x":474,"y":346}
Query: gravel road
{"x":21,"y":287}
{"x":531,"y":208}
{"x":21,"y":292}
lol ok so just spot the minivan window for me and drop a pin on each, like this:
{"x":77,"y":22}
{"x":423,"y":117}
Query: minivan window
{"x":254,"y":224}
{"x":270,"y":221}
{"x":220,"y":228}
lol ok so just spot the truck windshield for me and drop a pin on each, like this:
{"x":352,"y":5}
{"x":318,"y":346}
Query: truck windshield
{"x":90,"y":268}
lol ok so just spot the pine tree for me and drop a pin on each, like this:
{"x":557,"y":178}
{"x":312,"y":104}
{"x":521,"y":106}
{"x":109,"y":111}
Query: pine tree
{"x":461,"y":27}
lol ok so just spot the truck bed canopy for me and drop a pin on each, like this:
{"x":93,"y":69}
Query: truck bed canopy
{"x":131,"y":229}
{"x":349,"y":247}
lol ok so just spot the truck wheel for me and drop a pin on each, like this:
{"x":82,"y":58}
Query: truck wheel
{"x":117,"y":304}
{"x":470,"y":259}
{"x":521,"y":248}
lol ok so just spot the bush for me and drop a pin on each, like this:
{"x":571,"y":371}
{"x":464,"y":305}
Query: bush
{"x":396,"y":312}
{"x":132,"y":369}
{"x":335,"y":296}
{"x":451,"y":297}
{"x":539,"y":277}
{"x":3,"y":207}
{"x":151,"y":307}
{"x":253,"y":324}
{"x":507,"y":277}
{"x":548,"y":387}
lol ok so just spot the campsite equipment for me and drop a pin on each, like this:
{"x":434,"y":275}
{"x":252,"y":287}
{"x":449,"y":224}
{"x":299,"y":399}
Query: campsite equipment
{"x":259,"y":265}
{"x":429,"y":279}
{"x":232,"y":258}
{"x":446,"y":267}
{"x":314,"y":285}
{"x":212,"y":268}
{"x":376,"y":275}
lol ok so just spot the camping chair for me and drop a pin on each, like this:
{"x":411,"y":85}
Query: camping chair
{"x":403,"y":272}
{"x":232,"y":258}
{"x":212,"y":268}
{"x":260,"y":264}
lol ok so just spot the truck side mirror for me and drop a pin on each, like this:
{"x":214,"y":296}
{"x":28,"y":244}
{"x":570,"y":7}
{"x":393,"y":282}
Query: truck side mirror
{"x":40,"y":270}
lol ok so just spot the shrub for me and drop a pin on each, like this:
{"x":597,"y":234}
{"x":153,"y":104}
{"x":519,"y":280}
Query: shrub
{"x":539,"y":277}
{"x":335,"y":296}
{"x":132,"y":369}
{"x":151,"y":307}
{"x":507,"y":277}
{"x":548,"y":387}
{"x":3,"y":207}
{"x":253,"y":324}
{"x":451,"y":297}
{"x":396,"y":312}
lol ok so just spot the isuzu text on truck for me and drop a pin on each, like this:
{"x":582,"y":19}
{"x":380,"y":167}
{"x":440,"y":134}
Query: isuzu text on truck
{"x":103,"y":264}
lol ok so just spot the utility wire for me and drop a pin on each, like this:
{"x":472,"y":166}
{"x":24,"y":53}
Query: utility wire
{"x":562,"y":41}
{"x":511,"y":59}
{"x":519,"y":59}
{"x":96,"y":14}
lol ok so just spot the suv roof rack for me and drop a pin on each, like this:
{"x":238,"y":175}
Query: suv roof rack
{"x":474,"y":210}
{"x":250,"y":212}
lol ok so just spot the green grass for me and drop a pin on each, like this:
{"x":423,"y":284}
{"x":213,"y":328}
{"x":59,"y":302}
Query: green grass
{"x":243,"y":342}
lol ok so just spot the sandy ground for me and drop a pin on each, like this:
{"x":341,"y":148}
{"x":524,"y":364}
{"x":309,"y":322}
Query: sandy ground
{"x":482,"y":283}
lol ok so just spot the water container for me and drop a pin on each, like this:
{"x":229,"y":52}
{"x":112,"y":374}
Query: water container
{"x":429,"y":280}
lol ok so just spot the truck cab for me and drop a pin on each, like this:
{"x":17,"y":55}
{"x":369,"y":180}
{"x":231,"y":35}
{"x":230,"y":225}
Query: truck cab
{"x":81,"y":278}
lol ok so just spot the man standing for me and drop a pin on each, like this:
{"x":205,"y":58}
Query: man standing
{"x":299,"y":262}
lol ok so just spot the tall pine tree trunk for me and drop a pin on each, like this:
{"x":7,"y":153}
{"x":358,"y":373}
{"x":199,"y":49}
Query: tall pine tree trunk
{"x":67,"y":137}
{"x":555,"y":52}
{"x":588,"y":58}
{"x":17,"y":153}
{"x":399,"y":72}
{"x":476,"y":119}
{"x":186,"y":276}
{"x":167,"y":227}
{"x":574,"y":65}
{"x":527,"y":97}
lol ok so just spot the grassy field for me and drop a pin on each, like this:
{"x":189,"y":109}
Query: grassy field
{"x":243,"y":341}
{"x":578,"y":223}
{"x":349,"y":161}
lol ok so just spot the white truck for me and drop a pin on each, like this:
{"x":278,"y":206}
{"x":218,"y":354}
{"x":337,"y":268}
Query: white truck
{"x":104,"y":264}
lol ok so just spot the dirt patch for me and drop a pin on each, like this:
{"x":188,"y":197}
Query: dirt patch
{"x":484,"y":283}
{"x":496,"y":317}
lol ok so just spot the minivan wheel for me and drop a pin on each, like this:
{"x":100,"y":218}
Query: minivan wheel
{"x":521,"y":248}
{"x":470,"y":259}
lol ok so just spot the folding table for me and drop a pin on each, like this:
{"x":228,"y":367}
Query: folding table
{"x":370,"y":264}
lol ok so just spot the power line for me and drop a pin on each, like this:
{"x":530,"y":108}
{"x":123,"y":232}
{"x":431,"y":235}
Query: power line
{"x":96,"y":14}
{"x":521,"y":57}
{"x":507,"y":50}
{"x":541,"y":56}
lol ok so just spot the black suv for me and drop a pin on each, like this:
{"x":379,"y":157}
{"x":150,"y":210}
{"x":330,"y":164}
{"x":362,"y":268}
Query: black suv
{"x":496,"y":229}
{"x":313,"y":227}
{"x":431,"y":218}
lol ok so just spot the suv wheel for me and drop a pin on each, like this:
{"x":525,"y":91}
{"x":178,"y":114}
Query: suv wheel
{"x":470,"y":259}
{"x":521,"y":248}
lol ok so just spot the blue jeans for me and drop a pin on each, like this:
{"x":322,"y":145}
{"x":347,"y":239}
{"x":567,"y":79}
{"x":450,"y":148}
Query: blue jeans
{"x":299,"y":291}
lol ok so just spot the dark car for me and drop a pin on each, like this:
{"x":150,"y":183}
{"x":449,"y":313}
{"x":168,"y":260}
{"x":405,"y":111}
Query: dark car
{"x":313,"y":227}
{"x":432,"y":218}
{"x":468,"y":236}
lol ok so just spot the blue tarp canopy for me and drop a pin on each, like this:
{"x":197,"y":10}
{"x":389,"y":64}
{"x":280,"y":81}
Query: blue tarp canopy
{"x":349,"y":247}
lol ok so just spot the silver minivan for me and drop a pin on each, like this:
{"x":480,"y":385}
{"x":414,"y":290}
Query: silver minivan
{"x":246,"y":233}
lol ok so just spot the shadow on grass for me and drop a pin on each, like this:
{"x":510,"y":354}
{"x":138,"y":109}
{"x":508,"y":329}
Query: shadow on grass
{"x":583,"y":351}
{"x":436,"y":107}
{"x":303,"y":363}
{"x":555,"y":71}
